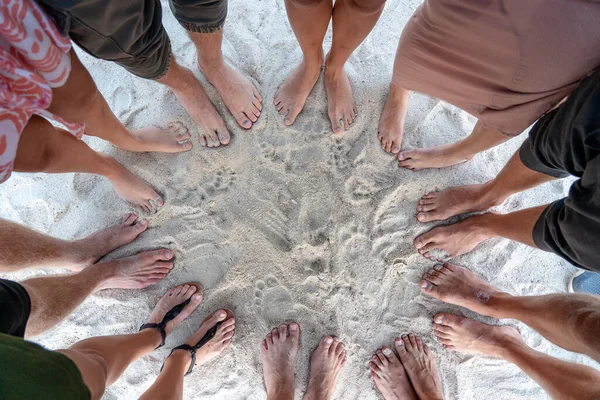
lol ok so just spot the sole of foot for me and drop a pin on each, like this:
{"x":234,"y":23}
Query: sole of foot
{"x":444,"y":204}
{"x":136,"y":272}
{"x":89,"y":250}
{"x":420,"y":367}
{"x":451,"y":240}
{"x":291,"y":96}
{"x":472,"y":337}
{"x":174,"y":139}
{"x":278,"y":354}
{"x":326,"y":363}
{"x":390,"y":377}
{"x":457,"y":285}
{"x":175,"y":296}
{"x":435,"y":157}
{"x":340,"y":101}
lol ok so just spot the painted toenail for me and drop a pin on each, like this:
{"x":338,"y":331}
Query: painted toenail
{"x":387,"y":352}
{"x":425,"y":285}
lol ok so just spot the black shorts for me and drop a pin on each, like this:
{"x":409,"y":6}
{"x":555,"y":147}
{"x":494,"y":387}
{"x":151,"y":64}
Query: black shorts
{"x":15,"y":307}
{"x":566,"y":142}
{"x":130,"y":32}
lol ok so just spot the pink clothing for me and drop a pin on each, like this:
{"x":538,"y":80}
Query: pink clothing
{"x":34,"y":58}
{"x":507,"y":62}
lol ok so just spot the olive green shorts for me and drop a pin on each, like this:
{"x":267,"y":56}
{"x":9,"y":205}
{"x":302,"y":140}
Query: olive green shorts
{"x":130,"y":32}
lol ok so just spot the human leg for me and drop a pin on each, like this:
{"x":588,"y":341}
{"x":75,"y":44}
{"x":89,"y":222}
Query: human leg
{"x":560,"y":379}
{"x":169,"y":384}
{"x":101,"y":360}
{"x":44,"y":148}
{"x":568,"y":320}
{"x":326,"y":363}
{"x":462,"y":237}
{"x":278,"y":354}
{"x":309,"y":20}
{"x":53,"y":298}
{"x":515,"y":177}
{"x":79,"y":100}
{"x":481,"y":138}
{"x":21,"y":247}
{"x":352,"y":20}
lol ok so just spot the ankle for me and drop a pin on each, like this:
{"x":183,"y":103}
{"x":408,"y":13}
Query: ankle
{"x":179,"y":361}
{"x":397,"y":93}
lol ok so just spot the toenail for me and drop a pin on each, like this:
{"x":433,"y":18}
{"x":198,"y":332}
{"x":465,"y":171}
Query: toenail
{"x":144,"y":222}
{"x":439,"y":319}
{"x":425,"y":285}
{"x":419,"y":244}
{"x":293,"y":327}
{"x":197,"y":297}
{"x":400,"y":342}
{"x":404,"y":336}
{"x":329,"y":340}
{"x":387,"y":352}
{"x":222,"y":315}
{"x":187,"y":146}
{"x":168,"y":254}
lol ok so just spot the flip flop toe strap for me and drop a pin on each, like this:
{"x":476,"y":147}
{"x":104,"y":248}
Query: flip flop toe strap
{"x":161,"y":329}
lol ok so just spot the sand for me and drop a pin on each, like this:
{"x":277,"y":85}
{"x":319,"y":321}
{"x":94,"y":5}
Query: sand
{"x":290,"y":223}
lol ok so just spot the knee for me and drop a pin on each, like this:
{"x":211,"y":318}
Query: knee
{"x":367,"y":6}
{"x":86,"y":100}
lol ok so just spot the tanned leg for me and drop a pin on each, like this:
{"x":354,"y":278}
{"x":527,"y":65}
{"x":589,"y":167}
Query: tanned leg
{"x":515,"y":177}
{"x":462,"y":237}
{"x":79,"y":100}
{"x":192,"y":97}
{"x":571,"y":321}
{"x":53,"y":298}
{"x":309,"y":20}
{"x":44,"y":148}
{"x":352,"y":21}
{"x":21,"y":247}
{"x":391,"y":123}
{"x":101,"y":360}
{"x":560,"y":379}
{"x":169,"y":384}
{"x":238,"y":93}
{"x":481,"y":138}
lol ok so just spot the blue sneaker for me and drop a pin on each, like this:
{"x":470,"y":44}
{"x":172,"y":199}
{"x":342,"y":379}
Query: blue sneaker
{"x":585,"y":282}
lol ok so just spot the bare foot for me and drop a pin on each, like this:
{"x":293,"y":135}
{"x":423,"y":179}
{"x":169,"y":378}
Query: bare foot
{"x":170,"y":140}
{"x":132,"y":189}
{"x":457,"y":285}
{"x":472,"y":337}
{"x":340,"y":102}
{"x":390,"y":376}
{"x":87,"y":251}
{"x":193,"y":99}
{"x":278,"y":353}
{"x":238,"y":93}
{"x":453,"y":240}
{"x":441,"y":205}
{"x":135,"y":272}
{"x":435,"y":157}
{"x":420,"y":367}
{"x":173,"y":297}
{"x":293,"y":92}
{"x":325,"y":365}
{"x":391,"y":123}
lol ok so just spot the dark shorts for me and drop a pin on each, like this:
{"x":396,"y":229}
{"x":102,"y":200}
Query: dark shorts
{"x":29,"y":371}
{"x":130,"y":32}
{"x":566,"y":142}
{"x":15,"y":307}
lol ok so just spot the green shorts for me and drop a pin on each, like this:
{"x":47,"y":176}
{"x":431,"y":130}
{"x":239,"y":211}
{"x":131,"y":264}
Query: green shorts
{"x":130,"y":32}
{"x":28,"y":371}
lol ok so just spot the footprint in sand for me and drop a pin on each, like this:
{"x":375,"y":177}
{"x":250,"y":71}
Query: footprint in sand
{"x":222,"y":180}
{"x":273,"y":300}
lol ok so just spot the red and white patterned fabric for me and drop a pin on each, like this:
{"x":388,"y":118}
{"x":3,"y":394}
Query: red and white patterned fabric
{"x":34,"y":58}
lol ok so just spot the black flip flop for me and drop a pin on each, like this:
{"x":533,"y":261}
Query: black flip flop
{"x":205,"y":339}
{"x":170,"y":315}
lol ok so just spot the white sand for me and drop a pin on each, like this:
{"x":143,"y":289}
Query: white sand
{"x":290,"y":223}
